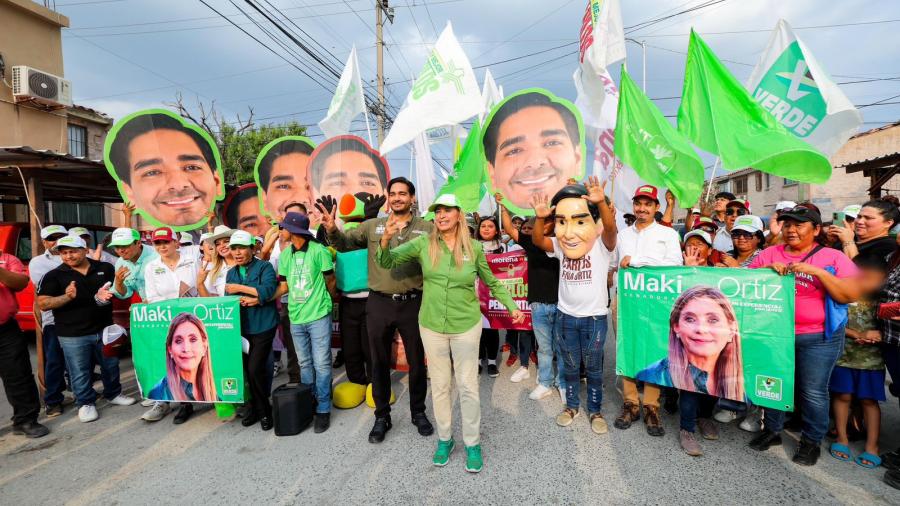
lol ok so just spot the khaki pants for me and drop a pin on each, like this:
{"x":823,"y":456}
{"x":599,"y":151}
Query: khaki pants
{"x":463,"y":348}
{"x":630,"y":392}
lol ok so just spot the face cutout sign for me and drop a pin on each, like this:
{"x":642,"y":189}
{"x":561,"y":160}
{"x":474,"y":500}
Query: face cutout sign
{"x":167,"y":167}
{"x":533,"y":143}
{"x":282,"y":175}
{"x":347,"y":164}
{"x":241,"y":210}
{"x":575,"y":227}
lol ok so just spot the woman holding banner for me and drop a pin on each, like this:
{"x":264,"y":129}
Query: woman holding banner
{"x":450,"y":317}
{"x":489,"y":235}
{"x":820,"y":274}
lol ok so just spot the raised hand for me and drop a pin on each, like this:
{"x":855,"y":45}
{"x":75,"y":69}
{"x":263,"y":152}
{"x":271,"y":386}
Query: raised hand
{"x":326,"y":203}
{"x":595,"y":190}
{"x":541,"y":205}
{"x":670,"y":199}
{"x":121,"y":274}
{"x":71,"y":291}
{"x":328,"y":216}
{"x":692,"y":257}
{"x":517,"y":316}
{"x":372,"y":204}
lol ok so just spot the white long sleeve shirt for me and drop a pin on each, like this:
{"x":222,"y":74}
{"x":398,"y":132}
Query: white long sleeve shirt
{"x":655,"y":245}
{"x":162,"y":283}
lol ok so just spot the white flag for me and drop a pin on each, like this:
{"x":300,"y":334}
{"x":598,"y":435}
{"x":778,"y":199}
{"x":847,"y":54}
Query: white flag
{"x":424,"y":173}
{"x":490,"y":94}
{"x":445,"y":93}
{"x":602,"y":44}
{"x":348,"y":101}
{"x":790,"y":83}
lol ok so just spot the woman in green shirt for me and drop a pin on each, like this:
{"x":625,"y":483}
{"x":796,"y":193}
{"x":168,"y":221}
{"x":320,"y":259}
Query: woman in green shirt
{"x":450,"y":317}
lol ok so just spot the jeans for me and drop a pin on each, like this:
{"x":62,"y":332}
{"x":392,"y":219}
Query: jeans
{"x":692,"y":405}
{"x":523,"y":345}
{"x":543,"y":321}
{"x":15,"y":371}
{"x":582,"y":339}
{"x":81,"y":353}
{"x":54,"y":367}
{"x":814,"y":358}
{"x":312,"y":341}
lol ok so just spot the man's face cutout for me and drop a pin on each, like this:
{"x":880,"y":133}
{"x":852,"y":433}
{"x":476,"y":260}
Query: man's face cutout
{"x":575,"y":228}
{"x":288,"y":178}
{"x":342,"y":171}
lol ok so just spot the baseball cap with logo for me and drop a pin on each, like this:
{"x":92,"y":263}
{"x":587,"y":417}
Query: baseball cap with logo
{"x":163,"y":234}
{"x":79,"y":231}
{"x":748,"y":223}
{"x":69,"y":241}
{"x":702,"y":234}
{"x":647,"y":191}
{"x":49,"y":230}
{"x":241,"y":238}
{"x":185,"y":238}
{"x":852,"y":211}
{"x":739,"y":203}
{"x":124,"y":237}
{"x":445,"y":200}
{"x":705,"y":222}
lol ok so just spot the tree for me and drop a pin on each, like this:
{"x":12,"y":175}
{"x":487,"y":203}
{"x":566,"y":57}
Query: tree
{"x":240,"y":141}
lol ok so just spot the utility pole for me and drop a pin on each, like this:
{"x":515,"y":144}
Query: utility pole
{"x":381,"y":8}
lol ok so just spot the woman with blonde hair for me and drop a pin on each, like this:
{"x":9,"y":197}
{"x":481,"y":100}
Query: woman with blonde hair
{"x":211,"y":275}
{"x":450,"y":317}
{"x":189,"y":376}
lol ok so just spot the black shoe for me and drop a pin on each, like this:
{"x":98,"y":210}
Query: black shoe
{"x":243,"y":410}
{"x":184,"y":412}
{"x":338,"y":360}
{"x":250,"y":419}
{"x":322,"y":422}
{"x":54,"y":410}
{"x":31,"y":430}
{"x":424,"y":426}
{"x":892,"y":478}
{"x":493,"y":371}
{"x":891,"y":460}
{"x":266,"y":423}
{"x":807,"y":453}
{"x":764,"y":440}
{"x":380,"y":429}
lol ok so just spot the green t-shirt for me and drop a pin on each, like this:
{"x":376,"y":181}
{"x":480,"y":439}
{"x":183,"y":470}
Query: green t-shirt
{"x":304,"y":270}
{"x":861,"y":317}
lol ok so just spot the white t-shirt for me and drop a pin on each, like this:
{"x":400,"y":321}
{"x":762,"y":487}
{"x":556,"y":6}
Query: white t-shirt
{"x":162,"y":283}
{"x":582,"y":282}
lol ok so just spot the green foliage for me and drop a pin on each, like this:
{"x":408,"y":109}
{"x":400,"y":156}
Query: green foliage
{"x":240,"y":145}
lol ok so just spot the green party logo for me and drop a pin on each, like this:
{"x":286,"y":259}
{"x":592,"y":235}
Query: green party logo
{"x":229,"y":386}
{"x":790,"y":93}
{"x":768,"y":387}
{"x":436,"y":73}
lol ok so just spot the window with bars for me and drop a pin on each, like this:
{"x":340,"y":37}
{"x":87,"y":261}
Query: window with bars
{"x":740,"y":186}
{"x":78,"y":140}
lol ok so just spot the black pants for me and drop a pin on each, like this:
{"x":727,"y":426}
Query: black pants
{"x":256,"y":367}
{"x":54,"y":367}
{"x":293,"y":365}
{"x":489,"y":344}
{"x":355,"y":340}
{"x":15,"y":371}
{"x":383,"y":316}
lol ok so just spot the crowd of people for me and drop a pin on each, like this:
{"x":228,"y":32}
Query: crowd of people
{"x":400,"y":273}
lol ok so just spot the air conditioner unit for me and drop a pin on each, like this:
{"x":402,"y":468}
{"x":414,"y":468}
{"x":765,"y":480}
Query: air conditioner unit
{"x":33,"y":85}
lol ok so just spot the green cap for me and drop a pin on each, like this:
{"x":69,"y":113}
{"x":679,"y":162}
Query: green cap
{"x":241,"y":238}
{"x":124,"y":237}
{"x":445,"y":200}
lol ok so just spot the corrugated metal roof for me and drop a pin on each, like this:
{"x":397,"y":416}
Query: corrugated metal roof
{"x":16,"y":152}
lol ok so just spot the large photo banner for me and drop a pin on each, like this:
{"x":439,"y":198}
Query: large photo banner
{"x":189,"y":349}
{"x":511,"y":269}
{"x":725,"y":332}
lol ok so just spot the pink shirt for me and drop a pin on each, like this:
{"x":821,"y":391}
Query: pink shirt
{"x":809,"y":315}
{"x":9,"y":306}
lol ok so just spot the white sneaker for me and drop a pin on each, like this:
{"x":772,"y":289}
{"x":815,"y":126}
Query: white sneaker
{"x":88,"y":413}
{"x":753,"y":421}
{"x":562,"y":395}
{"x":157,"y":412}
{"x":147,"y":403}
{"x":520,"y":374}
{"x":540,"y":392}
{"x":123,"y":400}
{"x":725,"y":416}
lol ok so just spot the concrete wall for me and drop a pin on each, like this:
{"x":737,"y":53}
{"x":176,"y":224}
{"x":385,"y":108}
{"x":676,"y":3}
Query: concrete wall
{"x":97,"y":127}
{"x":30,"y":35}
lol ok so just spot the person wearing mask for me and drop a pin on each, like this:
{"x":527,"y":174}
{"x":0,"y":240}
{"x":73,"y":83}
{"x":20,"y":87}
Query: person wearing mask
{"x":78,"y":294}
{"x":646,"y":243}
{"x":169,"y":276}
{"x":722,"y":241}
{"x":489,"y":344}
{"x":54,"y":360}
{"x":819,"y":272}
{"x":450,"y":317}
{"x":868,"y":231}
{"x":15,"y":361}
{"x":395,"y":298}
{"x":306,"y":275}
{"x":254,"y":281}
{"x":720,"y":202}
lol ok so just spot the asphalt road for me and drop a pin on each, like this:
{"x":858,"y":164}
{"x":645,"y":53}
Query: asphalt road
{"x":120,"y":459}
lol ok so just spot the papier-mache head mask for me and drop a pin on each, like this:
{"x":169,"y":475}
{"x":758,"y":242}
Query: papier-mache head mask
{"x":576,"y":221}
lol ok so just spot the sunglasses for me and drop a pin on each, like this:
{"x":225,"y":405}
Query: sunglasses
{"x":735,"y":212}
{"x":740,"y":234}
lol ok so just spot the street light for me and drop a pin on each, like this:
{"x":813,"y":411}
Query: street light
{"x":644,"y":54}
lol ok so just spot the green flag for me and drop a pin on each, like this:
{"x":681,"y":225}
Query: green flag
{"x":467,"y":180}
{"x":647,"y":142}
{"x":718,"y":114}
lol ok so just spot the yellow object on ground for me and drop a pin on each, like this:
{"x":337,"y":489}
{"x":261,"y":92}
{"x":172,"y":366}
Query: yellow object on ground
{"x":348,"y":395}
{"x":371,"y":402}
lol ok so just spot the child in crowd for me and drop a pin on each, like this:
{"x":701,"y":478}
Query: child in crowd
{"x":860,"y":370}
{"x":489,"y":235}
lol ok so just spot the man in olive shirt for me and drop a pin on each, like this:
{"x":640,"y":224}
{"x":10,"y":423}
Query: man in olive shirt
{"x":394,"y":301}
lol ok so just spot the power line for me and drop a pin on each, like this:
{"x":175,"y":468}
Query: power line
{"x":767,"y":30}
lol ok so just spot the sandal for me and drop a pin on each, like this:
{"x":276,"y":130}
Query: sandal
{"x":868,"y":460}
{"x":837,"y":449}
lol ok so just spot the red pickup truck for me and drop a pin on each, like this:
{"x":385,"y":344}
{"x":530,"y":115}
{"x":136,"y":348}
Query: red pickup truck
{"x":15,"y":238}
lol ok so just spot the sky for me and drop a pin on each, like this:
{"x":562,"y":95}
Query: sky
{"x":127,"y":55}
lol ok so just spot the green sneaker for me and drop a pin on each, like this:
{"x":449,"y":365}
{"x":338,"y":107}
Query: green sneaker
{"x":442,"y":454}
{"x":474,"y":462}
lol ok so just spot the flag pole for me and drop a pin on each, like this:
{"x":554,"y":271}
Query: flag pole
{"x":365,"y":107}
{"x":368,"y":130}
{"x":711,"y":177}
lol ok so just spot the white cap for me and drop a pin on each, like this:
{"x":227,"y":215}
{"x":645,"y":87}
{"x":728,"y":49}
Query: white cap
{"x":703,"y":234}
{"x":185,"y":238}
{"x":853,"y":210}
{"x":69,"y":241}
{"x":53,"y":229}
{"x":241,"y":238}
{"x":205,"y":237}
{"x":445,"y":200}
{"x":112,"y":333}
{"x":748,"y":223}
{"x":124,"y":237}
{"x":785,"y":204}
{"x":79,"y":231}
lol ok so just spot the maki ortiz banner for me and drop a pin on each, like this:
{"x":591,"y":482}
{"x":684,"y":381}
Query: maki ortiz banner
{"x":511,"y":270}
{"x":725,"y":332}
{"x":189,"y":349}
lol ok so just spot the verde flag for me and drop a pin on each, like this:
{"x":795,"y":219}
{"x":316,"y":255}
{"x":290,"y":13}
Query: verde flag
{"x":467,"y":180}
{"x":189,"y":349}
{"x":720,"y":116}
{"x":725,"y":332}
{"x":647,"y":142}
